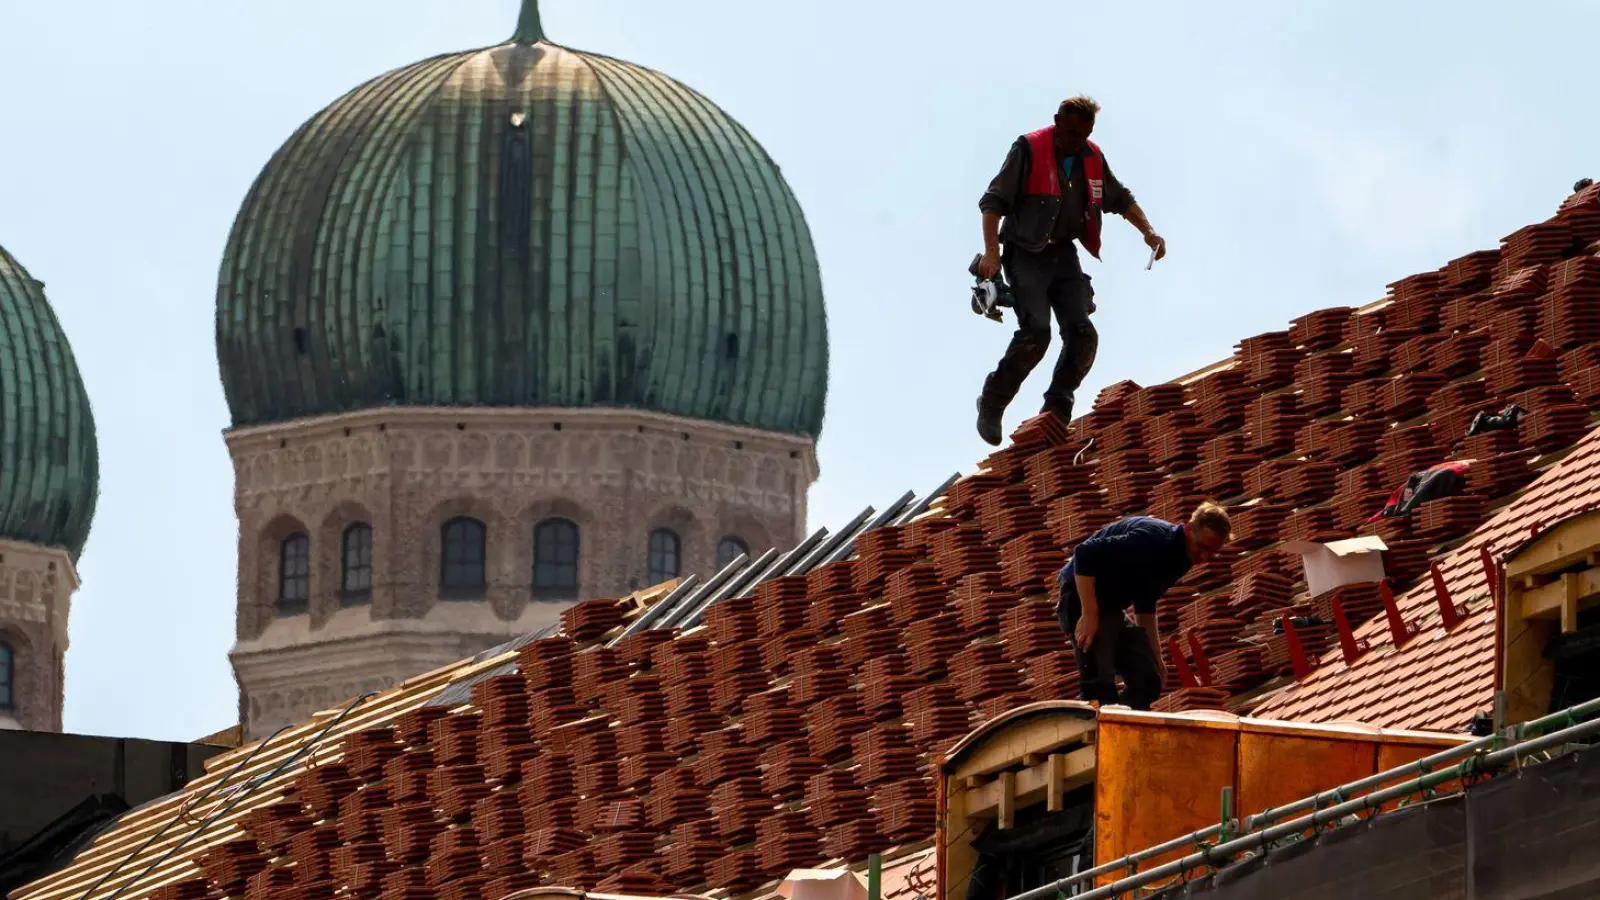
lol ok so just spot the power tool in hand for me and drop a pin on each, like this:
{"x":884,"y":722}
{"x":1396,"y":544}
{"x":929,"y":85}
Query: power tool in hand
{"x":989,"y":295}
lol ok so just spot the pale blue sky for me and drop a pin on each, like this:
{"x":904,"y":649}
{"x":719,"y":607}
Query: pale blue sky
{"x":1295,"y":155}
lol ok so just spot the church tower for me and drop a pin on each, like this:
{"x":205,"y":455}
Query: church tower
{"x":500,"y":331}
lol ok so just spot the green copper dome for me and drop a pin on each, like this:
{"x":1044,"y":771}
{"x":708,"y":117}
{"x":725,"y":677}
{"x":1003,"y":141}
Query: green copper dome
{"x":523,"y":225}
{"x":49,"y":465}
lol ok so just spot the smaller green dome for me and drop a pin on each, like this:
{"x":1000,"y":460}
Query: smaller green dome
{"x":49,"y":463}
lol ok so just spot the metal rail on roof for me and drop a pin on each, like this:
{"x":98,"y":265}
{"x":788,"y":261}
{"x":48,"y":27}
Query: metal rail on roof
{"x":660,"y":608}
{"x":927,"y":501}
{"x":1474,"y":757}
{"x":734,"y":572}
{"x":750,"y":575}
{"x":781,"y":566}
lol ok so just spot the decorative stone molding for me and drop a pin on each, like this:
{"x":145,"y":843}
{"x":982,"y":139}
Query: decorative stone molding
{"x":405,"y":471}
{"x":36,"y":588}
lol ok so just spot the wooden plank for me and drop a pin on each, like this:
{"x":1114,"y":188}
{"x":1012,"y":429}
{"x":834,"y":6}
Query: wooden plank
{"x":1569,"y":606}
{"x":1031,"y":785}
{"x":1561,"y":547}
{"x":1041,"y":737}
{"x":1056,"y":787}
{"x":1008,"y":800}
{"x":1547,"y":602}
{"x":112,"y":849}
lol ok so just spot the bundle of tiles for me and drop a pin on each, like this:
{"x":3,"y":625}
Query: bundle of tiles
{"x":1220,"y":398}
{"x":738,"y":871}
{"x":498,"y":816}
{"x":737,"y":806}
{"x":1028,"y":629}
{"x":884,"y":681}
{"x":869,"y":634}
{"x":1263,"y":479}
{"x":592,"y":618}
{"x":855,"y":839}
{"x":640,"y":879}
{"x":905,"y":809}
{"x":321,"y":787}
{"x":785,"y":841}
{"x":1223,"y":464}
{"x":1257,"y":593}
{"x":574,"y":868}
{"x":768,"y":717}
{"x":407,"y":774}
{"x":1445,"y":517}
{"x":367,"y":751}
{"x":1176,"y":496}
{"x":1170,"y":609}
{"x":1459,"y":354}
{"x":1360,"y":603}
{"x":454,"y":855}
{"x":231,"y":866}
{"x":1045,"y":429}
{"x":1077,"y":516}
{"x":1549,"y":428}
{"x":1054,"y":473}
{"x":1364,"y":399}
{"x":676,"y":802}
{"x":879,"y":555}
{"x":831,"y":725}
{"x":1272,"y":421}
{"x":1513,"y":376}
{"x":780,"y":604}
{"x":1533,"y":245}
{"x":634,"y":650}
{"x":408,"y":832}
{"x":1053,"y":676}
{"x":1130,"y":491}
{"x":546,"y":663}
{"x":1320,"y":330}
{"x":982,"y":671}
{"x":980,"y":607}
{"x":935,"y":712}
{"x":1268,"y":360}
{"x":962,"y":498}
{"x":1312,"y":523}
{"x":503,"y":700}
{"x":1256,"y":525}
{"x":1176,"y":440}
{"x":1192,"y":698}
{"x":929,"y":643}
{"x":456,"y":788}
{"x":1126,"y":433}
{"x":1213,"y":574}
{"x":598,"y":778}
{"x":686,"y":862}
{"x":835,"y":797}
{"x":273,"y":826}
{"x":1407,"y":394}
{"x":1238,"y":668}
{"x":1371,"y":352}
{"x":915,"y":592}
{"x":1322,"y":378}
{"x":1008,"y":512}
{"x":1586,"y":386}
{"x":1030,"y":563}
{"x":962,"y":550}
{"x":1414,"y":354}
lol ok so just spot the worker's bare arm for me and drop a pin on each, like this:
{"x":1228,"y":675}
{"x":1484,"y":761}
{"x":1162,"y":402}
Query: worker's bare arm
{"x":1089,"y":621}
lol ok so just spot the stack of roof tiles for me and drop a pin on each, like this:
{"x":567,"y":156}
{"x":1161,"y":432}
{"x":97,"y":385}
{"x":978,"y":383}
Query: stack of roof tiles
{"x":801,"y":721}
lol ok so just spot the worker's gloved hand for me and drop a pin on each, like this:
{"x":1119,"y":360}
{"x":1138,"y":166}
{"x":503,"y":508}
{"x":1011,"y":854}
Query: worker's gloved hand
{"x":989,"y":266}
{"x":1156,"y":243}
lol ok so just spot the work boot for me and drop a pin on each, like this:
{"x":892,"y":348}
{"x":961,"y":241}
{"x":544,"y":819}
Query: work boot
{"x":1062,"y":411}
{"x":989,"y":423}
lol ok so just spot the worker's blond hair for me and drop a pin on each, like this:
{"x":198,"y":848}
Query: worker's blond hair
{"x":1081,"y":105}
{"x":1210,"y":517}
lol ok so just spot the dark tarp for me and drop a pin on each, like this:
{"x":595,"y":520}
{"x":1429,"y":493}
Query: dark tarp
{"x":1528,"y":835}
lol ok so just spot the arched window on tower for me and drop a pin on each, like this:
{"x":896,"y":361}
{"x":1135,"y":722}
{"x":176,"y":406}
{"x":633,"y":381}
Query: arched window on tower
{"x":8,"y":671}
{"x":664,"y":556}
{"x":729,"y":549}
{"x":294,"y":574}
{"x":461,"y":564}
{"x":555,"y":560}
{"x":355,"y":564}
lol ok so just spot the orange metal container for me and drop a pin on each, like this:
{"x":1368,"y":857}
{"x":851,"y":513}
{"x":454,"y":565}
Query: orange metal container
{"x":1158,"y":776}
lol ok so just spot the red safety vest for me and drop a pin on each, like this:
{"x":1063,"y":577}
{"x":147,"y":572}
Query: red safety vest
{"x":1044,"y":177}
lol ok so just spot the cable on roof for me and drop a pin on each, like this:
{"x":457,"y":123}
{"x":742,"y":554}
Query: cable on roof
{"x":246,"y":790}
{"x":183,"y":811}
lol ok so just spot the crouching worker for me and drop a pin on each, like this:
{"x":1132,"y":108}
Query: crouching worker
{"x":1130,"y":564}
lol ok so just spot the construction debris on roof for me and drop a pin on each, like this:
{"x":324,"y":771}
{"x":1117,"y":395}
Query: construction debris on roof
{"x":789,"y":714}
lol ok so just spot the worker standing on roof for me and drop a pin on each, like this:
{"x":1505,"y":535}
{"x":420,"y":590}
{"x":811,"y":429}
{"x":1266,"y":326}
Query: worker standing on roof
{"x":1130,"y":563}
{"x":1050,"y":192}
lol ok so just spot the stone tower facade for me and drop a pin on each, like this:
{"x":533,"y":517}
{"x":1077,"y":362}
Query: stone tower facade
{"x":377,"y":545}
{"x":36,"y":588}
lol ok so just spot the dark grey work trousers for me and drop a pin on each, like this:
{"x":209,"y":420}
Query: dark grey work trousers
{"x":1045,"y":283}
{"x":1119,"y":648}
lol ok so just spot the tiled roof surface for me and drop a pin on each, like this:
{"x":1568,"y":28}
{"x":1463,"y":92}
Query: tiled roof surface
{"x":800,"y":722}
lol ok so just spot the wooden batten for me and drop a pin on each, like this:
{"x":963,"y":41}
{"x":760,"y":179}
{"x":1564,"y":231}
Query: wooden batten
{"x":1546,"y":584}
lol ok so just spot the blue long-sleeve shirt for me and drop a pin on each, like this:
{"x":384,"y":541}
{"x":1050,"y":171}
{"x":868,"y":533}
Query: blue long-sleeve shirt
{"x":1133,"y":562}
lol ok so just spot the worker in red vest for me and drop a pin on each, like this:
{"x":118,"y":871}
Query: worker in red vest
{"x":1051,"y":191}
